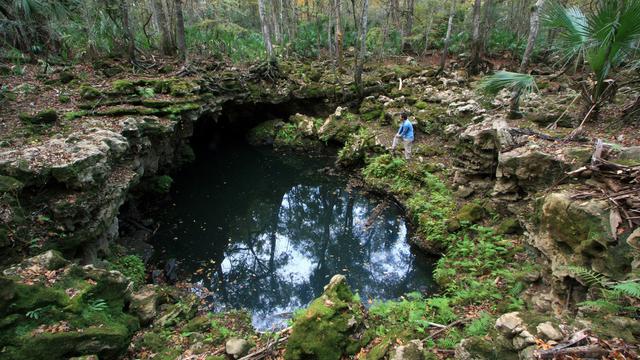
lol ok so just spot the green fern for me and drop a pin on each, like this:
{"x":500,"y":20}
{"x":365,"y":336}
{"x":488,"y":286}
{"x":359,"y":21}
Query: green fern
{"x":601,"y":305}
{"x":588,"y":276}
{"x":628,"y":288}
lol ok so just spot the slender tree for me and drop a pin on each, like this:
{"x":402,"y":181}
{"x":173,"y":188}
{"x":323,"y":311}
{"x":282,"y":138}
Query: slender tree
{"x":361,"y":53}
{"x":338,"y":33}
{"x":447,"y":39}
{"x":408,"y":28}
{"x":534,"y":26}
{"x":475,"y":39}
{"x":166,"y":43}
{"x":180,"y":37}
{"x":128,"y":31}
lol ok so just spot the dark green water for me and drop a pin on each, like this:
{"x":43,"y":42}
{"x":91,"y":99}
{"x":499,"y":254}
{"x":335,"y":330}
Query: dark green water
{"x":266,"y":231}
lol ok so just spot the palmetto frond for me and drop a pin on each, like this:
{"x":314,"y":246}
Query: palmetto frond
{"x":573,"y":35}
{"x":492,"y":84}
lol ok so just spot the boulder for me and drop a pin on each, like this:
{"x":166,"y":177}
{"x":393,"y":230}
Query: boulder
{"x":510,"y":324}
{"x":144,"y":303}
{"x":331,"y":326}
{"x":339,"y":126}
{"x":578,"y":233}
{"x":49,"y":260}
{"x":237,"y":348}
{"x":413,"y":350}
{"x":547,"y":331}
{"x":528,"y":169}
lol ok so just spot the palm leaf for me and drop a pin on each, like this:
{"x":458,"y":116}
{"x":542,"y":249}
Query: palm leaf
{"x":573,"y":32}
{"x":492,"y":84}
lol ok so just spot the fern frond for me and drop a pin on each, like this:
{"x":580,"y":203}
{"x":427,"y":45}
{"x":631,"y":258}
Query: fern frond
{"x":588,"y":276}
{"x":628,"y":288}
{"x":601,"y":305}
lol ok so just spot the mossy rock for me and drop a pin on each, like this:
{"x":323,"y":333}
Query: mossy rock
{"x":471,"y":212}
{"x":89,"y":93}
{"x":265,"y":133}
{"x":510,"y":226}
{"x":161,"y":184}
{"x":9,"y":184}
{"x":124,"y":87}
{"x":66,"y":77}
{"x":421,"y":105}
{"x":44,"y":117}
{"x":182,"y":88}
{"x":327,"y":330}
{"x":198,"y":324}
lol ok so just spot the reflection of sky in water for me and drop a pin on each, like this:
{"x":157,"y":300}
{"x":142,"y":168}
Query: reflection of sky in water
{"x":273,"y":244}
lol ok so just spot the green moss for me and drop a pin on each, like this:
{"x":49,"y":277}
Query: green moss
{"x":181,"y":88}
{"x":89,"y":93}
{"x":323,"y":331}
{"x":124,"y":87}
{"x":471,"y":212}
{"x":509,"y":226}
{"x":198,"y":324}
{"x":265,"y":133}
{"x":47,"y":116}
{"x":420,"y":105}
{"x":161,"y":184}
{"x":379,"y":351}
{"x":9,"y":184}
{"x":64,"y":98}
{"x":66,"y":77}
{"x":72,"y":115}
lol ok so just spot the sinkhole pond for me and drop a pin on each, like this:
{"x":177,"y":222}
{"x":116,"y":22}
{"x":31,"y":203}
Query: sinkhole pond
{"x":265,"y":231}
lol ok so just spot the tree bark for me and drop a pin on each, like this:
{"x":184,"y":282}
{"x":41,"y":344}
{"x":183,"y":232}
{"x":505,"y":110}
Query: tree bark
{"x":265,"y":29}
{"x":276,"y":25}
{"x":534,"y":26}
{"x":487,"y":24}
{"x":166,"y":42}
{"x":128,"y":31}
{"x":427,"y":32}
{"x":180,"y":37}
{"x":361,"y":54}
{"x":338,"y":33}
{"x":475,"y":39}
{"x":447,"y":39}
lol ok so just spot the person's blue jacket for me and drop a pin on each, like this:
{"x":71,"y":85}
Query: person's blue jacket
{"x":406,"y":130}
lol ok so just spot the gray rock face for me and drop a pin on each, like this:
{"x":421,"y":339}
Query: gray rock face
{"x":237,"y":347}
{"x":547,"y":331}
{"x":528,"y":169}
{"x":144,"y":304}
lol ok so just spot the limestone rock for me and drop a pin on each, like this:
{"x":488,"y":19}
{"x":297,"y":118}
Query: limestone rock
{"x":50,"y":260}
{"x":578,"y":232}
{"x":527,"y":168}
{"x":237,"y":348}
{"x":144,"y":304}
{"x":410,"y":351}
{"x":510,"y":324}
{"x":523,"y":339}
{"x":547,"y":331}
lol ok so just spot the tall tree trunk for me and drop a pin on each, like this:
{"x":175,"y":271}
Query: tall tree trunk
{"x":408,"y":29}
{"x":361,"y":53}
{"x":487,"y":24}
{"x":534,"y":26}
{"x":338,"y":34}
{"x":427,"y":31}
{"x":447,"y":38}
{"x":128,"y":31}
{"x":265,"y":29}
{"x":276,"y":25}
{"x":166,"y":43}
{"x":180,"y":38}
{"x":475,"y":39}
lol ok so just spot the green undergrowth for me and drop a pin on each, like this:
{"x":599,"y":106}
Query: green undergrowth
{"x":428,"y":200}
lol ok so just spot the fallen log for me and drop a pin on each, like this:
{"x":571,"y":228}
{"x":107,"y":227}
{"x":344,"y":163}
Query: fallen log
{"x":587,"y":351}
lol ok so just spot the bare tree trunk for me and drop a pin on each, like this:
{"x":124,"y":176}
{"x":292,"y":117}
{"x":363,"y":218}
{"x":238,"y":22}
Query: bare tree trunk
{"x":534,"y":26}
{"x":276,"y":25}
{"x":447,"y":38}
{"x":487,"y":24}
{"x":361,"y":54}
{"x":427,"y":31}
{"x":408,"y":29}
{"x":166,"y":43}
{"x":265,"y":29}
{"x":180,"y":37}
{"x":338,"y":33}
{"x":475,"y":39}
{"x":128,"y":31}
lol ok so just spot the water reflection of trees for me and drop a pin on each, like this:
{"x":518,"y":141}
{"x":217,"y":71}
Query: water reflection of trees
{"x":271,"y":238}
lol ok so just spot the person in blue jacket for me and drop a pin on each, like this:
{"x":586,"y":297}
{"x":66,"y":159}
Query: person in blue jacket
{"x":406,"y":133}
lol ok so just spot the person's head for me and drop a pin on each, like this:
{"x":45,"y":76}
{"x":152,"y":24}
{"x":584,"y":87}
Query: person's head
{"x":404,"y":116}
